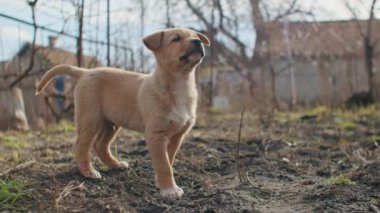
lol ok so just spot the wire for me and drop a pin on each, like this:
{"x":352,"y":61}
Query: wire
{"x":44,"y":28}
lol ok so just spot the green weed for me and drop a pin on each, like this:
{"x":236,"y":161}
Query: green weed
{"x":319,"y":110}
{"x":215,"y":110}
{"x":116,"y":150}
{"x":345,"y":124}
{"x":12,"y":191}
{"x":375,"y":138}
{"x":340,"y":180}
{"x":12,"y":142}
{"x":63,"y":126}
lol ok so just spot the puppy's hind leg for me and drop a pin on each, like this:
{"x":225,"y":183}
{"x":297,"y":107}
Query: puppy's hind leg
{"x":82,"y":152}
{"x":102,"y":147}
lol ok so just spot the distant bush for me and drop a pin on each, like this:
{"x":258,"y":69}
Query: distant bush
{"x":360,"y":99}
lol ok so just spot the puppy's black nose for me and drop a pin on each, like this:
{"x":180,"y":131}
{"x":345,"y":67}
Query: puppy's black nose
{"x":197,"y":42}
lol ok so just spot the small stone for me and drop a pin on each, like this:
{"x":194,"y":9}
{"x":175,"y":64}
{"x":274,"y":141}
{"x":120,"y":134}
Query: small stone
{"x":286,"y":160}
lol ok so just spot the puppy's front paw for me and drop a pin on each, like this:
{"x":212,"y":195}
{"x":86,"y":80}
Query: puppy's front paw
{"x":171,"y":193}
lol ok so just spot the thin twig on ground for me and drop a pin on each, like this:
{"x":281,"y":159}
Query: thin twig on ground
{"x":67,"y":190}
{"x":242,"y":174}
{"x":18,"y":167}
{"x":360,"y":156}
{"x":374,"y":208}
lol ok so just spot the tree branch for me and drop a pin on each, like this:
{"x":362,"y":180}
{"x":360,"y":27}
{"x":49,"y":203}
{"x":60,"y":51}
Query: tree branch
{"x":221,"y":28}
{"x":356,"y":19}
{"x":198,"y":13}
{"x":32,"y":5}
{"x":370,"y":20}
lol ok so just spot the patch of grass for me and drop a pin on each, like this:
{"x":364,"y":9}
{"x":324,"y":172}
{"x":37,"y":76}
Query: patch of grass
{"x":345,"y":124}
{"x":375,"y":138}
{"x":319,"y":111}
{"x":12,"y":141}
{"x":374,"y":201}
{"x":284,"y":117}
{"x":346,"y":114}
{"x":63,"y":126}
{"x":357,"y":113}
{"x":136,"y":134}
{"x":340,"y":180}
{"x":367,"y":111}
{"x":215,"y":110}
{"x":12,"y":191}
{"x":343,"y":117}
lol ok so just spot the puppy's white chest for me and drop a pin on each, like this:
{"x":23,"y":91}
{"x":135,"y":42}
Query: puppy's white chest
{"x":182,"y":111}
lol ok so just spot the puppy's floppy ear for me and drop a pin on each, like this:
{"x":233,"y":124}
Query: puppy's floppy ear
{"x":154,"y":41}
{"x":204,"y":39}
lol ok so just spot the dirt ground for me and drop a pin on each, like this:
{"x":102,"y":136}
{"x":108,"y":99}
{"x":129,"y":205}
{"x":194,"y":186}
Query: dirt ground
{"x":319,"y":160}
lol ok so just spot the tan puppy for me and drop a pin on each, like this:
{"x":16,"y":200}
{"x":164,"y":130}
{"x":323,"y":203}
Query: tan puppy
{"x":162,"y":104}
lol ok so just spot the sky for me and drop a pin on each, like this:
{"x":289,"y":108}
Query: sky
{"x":125,"y":21}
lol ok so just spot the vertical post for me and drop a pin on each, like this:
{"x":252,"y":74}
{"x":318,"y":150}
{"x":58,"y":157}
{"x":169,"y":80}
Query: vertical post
{"x":97,"y":32}
{"x":211,"y":83}
{"x":142,"y":14}
{"x":108,"y":34}
{"x":79,"y":40}
{"x":291,"y":61}
{"x":167,"y":4}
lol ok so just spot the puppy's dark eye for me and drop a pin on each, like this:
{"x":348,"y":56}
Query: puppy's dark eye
{"x":176,"y":39}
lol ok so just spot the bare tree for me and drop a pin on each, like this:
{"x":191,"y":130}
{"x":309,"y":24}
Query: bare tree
{"x":32,"y":4}
{"x":232,"y":46}
{"x":369,"y":44}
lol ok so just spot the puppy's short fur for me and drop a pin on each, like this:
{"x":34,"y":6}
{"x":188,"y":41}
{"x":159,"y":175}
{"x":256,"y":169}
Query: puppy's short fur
{"x":162,"y":104}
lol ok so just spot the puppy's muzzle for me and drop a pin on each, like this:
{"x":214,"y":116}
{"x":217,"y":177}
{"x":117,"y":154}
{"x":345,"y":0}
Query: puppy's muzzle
{"x":197,"y":47}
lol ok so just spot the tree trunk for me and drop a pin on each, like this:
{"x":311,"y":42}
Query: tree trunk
{"x":369,"y":49}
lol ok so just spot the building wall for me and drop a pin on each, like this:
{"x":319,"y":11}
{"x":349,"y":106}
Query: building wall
{"x":306,"y":81}
{"x":324,"y":81}
{"x":321,"y":81}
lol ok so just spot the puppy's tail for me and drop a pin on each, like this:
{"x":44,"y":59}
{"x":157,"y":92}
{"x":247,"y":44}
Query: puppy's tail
{"x":72,"y":71}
